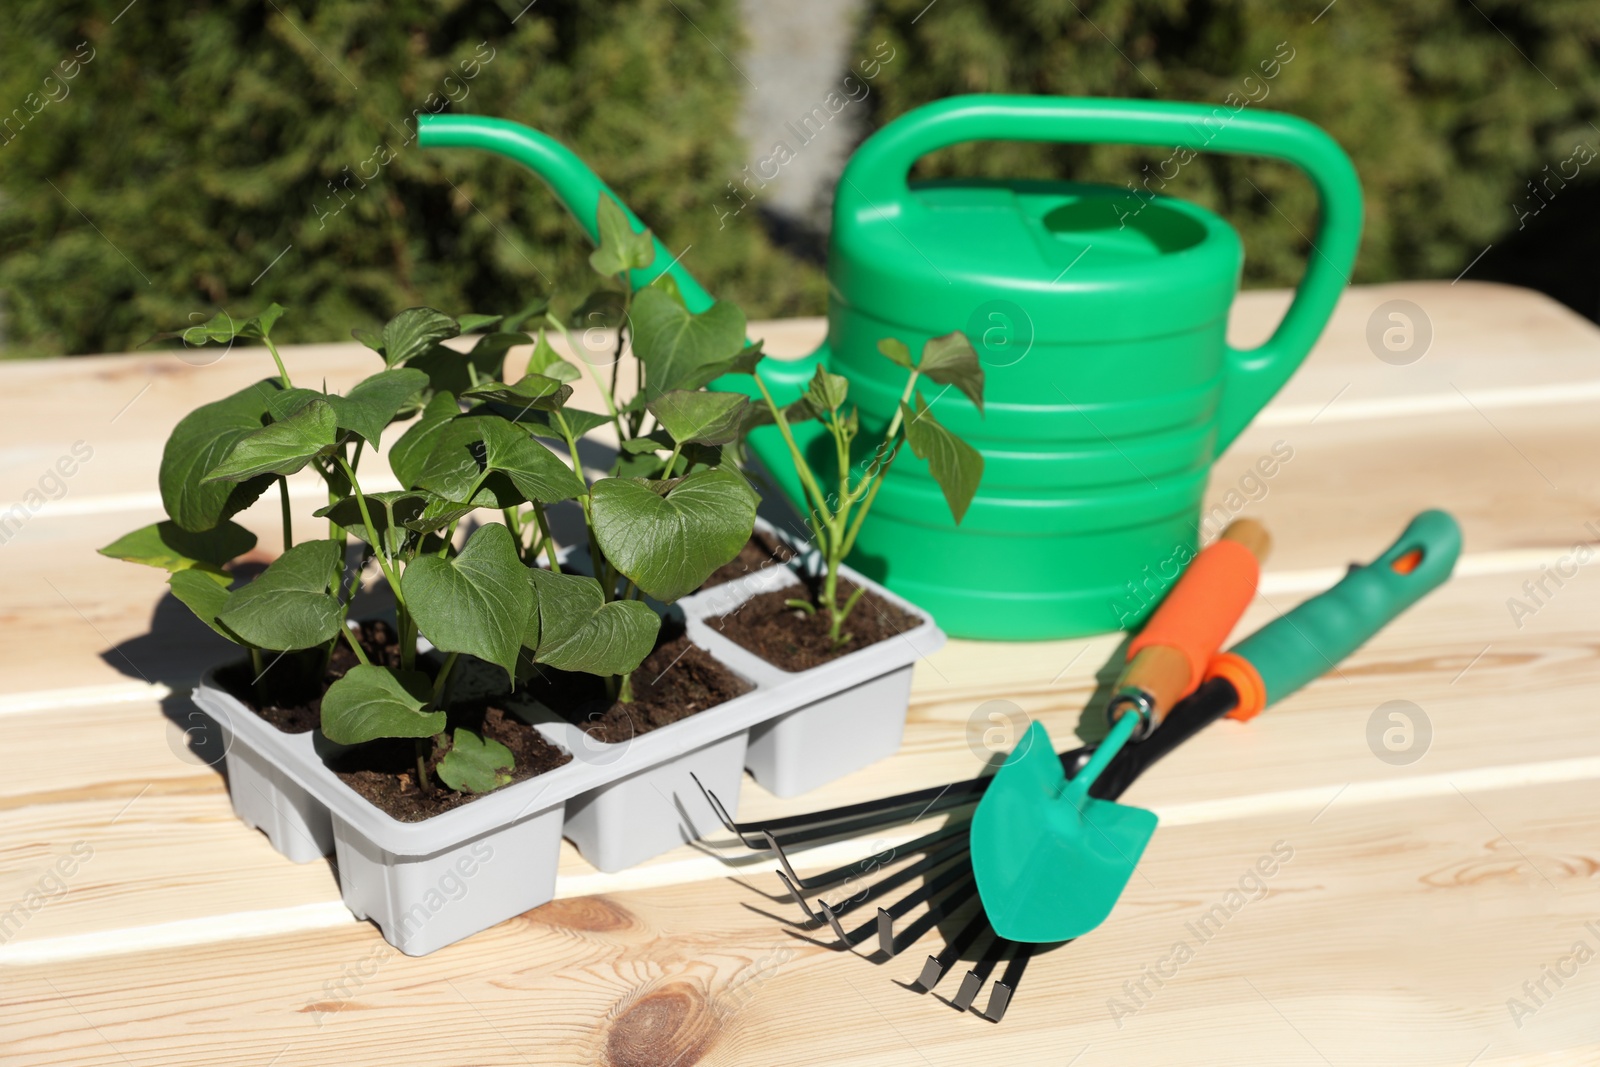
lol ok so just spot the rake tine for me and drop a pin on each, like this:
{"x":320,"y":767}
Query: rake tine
{"x":799,"y":899}
{"x":882,"y":859}
{"x":957,"y":792}
{"x":929,"y":890}
{"x":973,"y":982}
{"x":722,"y":814}
{"x":936,"y":966}
{"x":852,"y":939}
{"x":932,"y":861}
{"x":1005,"y":988}
{"x":863,"y":826}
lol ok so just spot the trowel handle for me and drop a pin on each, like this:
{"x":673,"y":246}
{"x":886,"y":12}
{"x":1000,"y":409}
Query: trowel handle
{"x":1313,"y":638}
{"x":1168,"y":659}
{"x":575,"y":185}
{"x":874,"y":186}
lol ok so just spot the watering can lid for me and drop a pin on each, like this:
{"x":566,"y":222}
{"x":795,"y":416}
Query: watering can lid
{"x":949,"y":251}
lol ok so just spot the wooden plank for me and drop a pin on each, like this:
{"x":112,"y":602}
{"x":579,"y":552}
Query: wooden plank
{"x":1434,"y":657}
{"x":1373,"y":937}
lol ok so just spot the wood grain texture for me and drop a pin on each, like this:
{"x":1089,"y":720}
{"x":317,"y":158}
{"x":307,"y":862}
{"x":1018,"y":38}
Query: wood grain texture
{"x":1419,"y":900}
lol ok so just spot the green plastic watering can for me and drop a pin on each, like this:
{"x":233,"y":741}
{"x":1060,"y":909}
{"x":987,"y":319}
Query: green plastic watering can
{"x":1100,"y":314}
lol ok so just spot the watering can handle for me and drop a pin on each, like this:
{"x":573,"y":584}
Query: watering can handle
{"x":875,"y":183}
{"x":575,"y":185}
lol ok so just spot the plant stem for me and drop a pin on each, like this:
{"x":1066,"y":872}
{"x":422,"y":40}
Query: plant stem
{"x":625,"y":689}
{"x":422,"y":766}
{"x":440,"y":679}
{"x":672,"y":460}
{"x":609,"y":396}
{"x":802,"y":468}
{"x":544,"y":532}
{"x":288,"y":516}
{"x":355,"y":646}
{"x":257,"y":668}
{"x":283,"y":375}
{"x":372,"y":533}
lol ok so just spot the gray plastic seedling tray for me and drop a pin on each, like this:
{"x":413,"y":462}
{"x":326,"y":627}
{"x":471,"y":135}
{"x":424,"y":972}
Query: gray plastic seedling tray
{"x":428,"y":884}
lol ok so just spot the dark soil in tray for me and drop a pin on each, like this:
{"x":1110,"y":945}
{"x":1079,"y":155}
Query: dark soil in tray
{"x":762,"y":550}
{"x":793,"y":640}
{"x":289,"y":696}
{"x":675,"y":681}
{"x":384,"y":772}
{"x":289,"y":693}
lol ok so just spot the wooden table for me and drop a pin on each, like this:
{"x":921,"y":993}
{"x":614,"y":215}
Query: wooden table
{"x":1444,"y":910}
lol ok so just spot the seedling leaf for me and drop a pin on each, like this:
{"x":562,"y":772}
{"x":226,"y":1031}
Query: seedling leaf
{"x":951,"y":360}
{"x":667,"y":537}
{"x":679,"y":349}
{"x":370,"y":702}
{"x":478,"y":602}
{"x":282,"y":447}
{"x":578,"y":631}
{"x":475,"y":764}
{"x":171,"y":547}
{"x":288,"y":605}
{"x":954,"y":464}
{"x":619,"y":248}
{"x":694,"y":417}
{"x":415,"y":331}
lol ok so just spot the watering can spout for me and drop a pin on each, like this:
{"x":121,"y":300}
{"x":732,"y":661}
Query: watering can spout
{"x":579,"y":189}
{"x":575,"y":185}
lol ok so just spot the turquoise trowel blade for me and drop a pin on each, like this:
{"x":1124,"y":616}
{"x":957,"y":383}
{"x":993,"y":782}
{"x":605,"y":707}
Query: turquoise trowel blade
{"x":1051,"y":862}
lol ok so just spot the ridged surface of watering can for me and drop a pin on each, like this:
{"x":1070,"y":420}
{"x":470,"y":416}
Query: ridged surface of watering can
{"x":1100,"y":314}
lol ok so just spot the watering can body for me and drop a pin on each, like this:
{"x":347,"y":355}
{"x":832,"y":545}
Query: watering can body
{"x":1100,"y":315}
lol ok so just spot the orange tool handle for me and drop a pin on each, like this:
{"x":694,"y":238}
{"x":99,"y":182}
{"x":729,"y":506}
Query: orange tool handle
{"x":1168,"y":659}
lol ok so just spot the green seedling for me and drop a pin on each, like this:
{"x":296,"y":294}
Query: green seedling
{"x":836,"y":517}
{"x":668,"y":514}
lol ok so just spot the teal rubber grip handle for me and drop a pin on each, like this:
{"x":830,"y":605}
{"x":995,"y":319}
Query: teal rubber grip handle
{"x":1307,"y":642}
{"x":874,"y":183}
{"x":577,"y":186}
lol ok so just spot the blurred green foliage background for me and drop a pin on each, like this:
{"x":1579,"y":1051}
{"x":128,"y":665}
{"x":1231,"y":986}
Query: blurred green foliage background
{"x":242,"y":151}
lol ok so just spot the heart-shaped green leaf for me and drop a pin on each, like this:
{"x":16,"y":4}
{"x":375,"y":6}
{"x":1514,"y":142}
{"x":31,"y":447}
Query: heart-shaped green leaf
{"x":283,"y":447}
{"x":479,"y":602}
{"x":536,"y":471}
{"x":578,"y":631}
{"x":954,"y":464}
{"x":407,"y":455}
{"x":694,"y":417}
{"x":372,"y":404}
{"x":391,"y":509}
{"x":198,"y":443}
{"x":415,"y":331}
{"x":204,"y":593}
{"x":171,"y":547}
{"x":827,"y":392}
{"x":261,"y":325}
{"x":288,"y":606}
{"x":475,"y":764}
{"x":455,"y":469}
{"x":546,"y":361}
{"x":679,"y":349}
{"x":951,"y":360}
{"x":370,"y":702}
{"x":896,"y":351}
{"x":668,"y":537}
{"x":531,"y":391}
{"x":619,"y":248}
